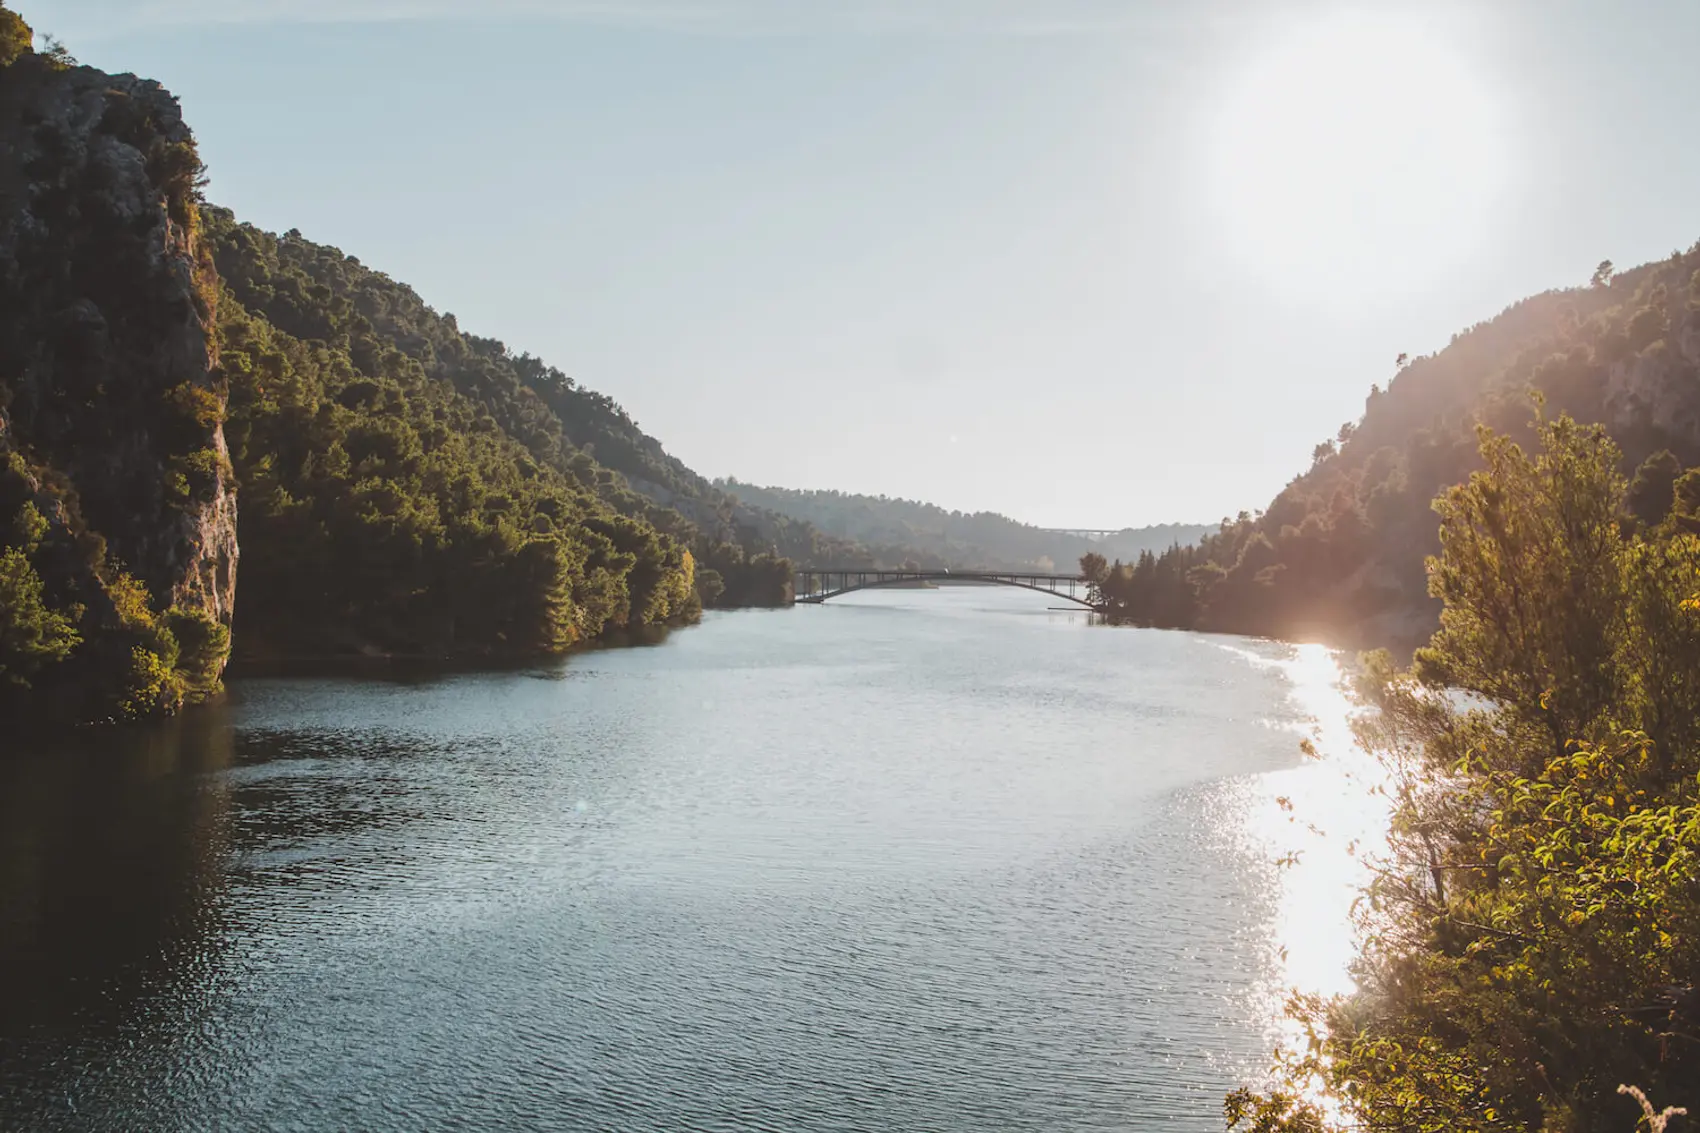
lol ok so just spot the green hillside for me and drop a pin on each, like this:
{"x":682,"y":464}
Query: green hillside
{"x":1339,"y":554}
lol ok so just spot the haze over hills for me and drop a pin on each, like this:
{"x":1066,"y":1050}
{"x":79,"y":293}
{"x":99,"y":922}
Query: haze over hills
{"x":934,"y":537}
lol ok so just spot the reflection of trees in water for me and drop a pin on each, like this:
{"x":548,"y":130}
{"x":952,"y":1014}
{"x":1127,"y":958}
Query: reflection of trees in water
{"x":302,"y":794}
{"x":112,"y":853}
{"x":125,"y":857}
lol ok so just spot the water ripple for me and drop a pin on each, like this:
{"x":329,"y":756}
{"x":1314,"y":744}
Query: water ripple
{"x":935,"y":863}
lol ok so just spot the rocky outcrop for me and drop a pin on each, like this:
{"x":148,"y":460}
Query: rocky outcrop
{"x":1660,"y":386}
{"x":112,"y":399}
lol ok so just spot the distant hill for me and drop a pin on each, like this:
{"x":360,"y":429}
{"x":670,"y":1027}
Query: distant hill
{"x":894,"y":530}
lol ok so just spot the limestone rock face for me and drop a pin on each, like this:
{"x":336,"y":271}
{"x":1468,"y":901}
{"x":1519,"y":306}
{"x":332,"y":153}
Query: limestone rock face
{"x":1660,"y":386}
{"x":111,"y":402}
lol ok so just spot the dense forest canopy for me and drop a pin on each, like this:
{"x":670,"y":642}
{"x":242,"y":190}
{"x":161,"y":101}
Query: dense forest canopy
{"x":1338,"y":555}
{"x":404,"y":487}
{"x":932,"y":537}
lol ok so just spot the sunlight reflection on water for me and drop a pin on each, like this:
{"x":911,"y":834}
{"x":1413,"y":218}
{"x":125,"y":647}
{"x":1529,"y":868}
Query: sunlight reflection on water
{"x":1326,"y":822}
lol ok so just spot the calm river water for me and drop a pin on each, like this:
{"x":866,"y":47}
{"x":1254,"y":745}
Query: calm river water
{"x":937,"y":860}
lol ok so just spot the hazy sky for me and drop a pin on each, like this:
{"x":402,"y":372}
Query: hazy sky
{"x":1086,"y":262}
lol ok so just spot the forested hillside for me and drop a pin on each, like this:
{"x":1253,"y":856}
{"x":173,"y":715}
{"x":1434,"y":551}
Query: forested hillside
{"x":415,"y":487}
{"x":410,"y":500}
{"x":1339,"y":554}
{"x":931,"y":537}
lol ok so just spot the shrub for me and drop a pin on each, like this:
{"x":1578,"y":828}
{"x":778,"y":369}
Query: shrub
{"x":32,"y":635}
{"x":15,"y":36}
{"x":203,"y":645}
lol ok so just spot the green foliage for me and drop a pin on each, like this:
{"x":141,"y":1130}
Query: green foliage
{"x":58,"y":56}
{"x":1522,"y":535}
{"x":32,"y":635}
{"x":393,"y":356}
{"x":1270,"y":1113}
{"x":1653,"y":491}
{"x":29,"y":527}
{"x":79,"y":636}
{"x":404,"y":488}
{"x":152,"y":689}
{"x":1534,"y":929}
{"x":16,"y":36}
{"x":198,"y":407}
{"x":764,"y":579}
{"x":710,"y":586}
{"x":203,"y":644}
{"x":1685,"y":498}
{"x":176,"y":167}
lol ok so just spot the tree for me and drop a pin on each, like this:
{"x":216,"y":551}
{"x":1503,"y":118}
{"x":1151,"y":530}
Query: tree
{"x":1685,"y":499}
{"x":1650,"y":323}
{"x":1603,"y":274}
{"x":54,"y":49}
{"x":710,"y":586}
{"x":1653,"y":491}
{"x":16,"y":36}
{"x":1521,"y":538}
{"x":32,"y":635}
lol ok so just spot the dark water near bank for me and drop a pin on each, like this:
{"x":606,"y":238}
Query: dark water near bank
{"x":932,"y":860}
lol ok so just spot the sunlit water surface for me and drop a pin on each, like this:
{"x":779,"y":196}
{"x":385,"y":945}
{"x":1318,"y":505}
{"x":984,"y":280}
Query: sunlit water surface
{"x":940,"y":860}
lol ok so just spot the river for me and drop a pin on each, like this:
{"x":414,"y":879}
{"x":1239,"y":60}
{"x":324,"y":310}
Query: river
{"x":914,"y":860}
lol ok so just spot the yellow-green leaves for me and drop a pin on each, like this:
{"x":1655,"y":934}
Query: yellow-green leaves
{"x":32,"y":634}
{"x":16,"y":36}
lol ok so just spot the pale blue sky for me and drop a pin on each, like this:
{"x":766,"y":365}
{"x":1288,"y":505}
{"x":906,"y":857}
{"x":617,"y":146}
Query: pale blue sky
{"x":1087,"y":262}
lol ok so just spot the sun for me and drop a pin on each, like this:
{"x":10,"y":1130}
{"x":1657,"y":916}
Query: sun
{"x":1357,"y":151}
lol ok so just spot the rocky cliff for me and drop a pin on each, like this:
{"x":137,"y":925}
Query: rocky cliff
{"x":117,"y":504}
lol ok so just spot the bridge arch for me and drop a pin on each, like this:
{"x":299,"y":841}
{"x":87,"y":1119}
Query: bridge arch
{"x":815,"y":587}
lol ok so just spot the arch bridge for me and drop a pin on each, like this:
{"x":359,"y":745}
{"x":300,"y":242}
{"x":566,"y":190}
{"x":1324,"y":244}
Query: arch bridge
{"x":817,"y":585}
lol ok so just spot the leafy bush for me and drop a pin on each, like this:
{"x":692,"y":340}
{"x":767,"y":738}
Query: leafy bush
{"x":32,"y":636}
{"x":203,"y":644}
